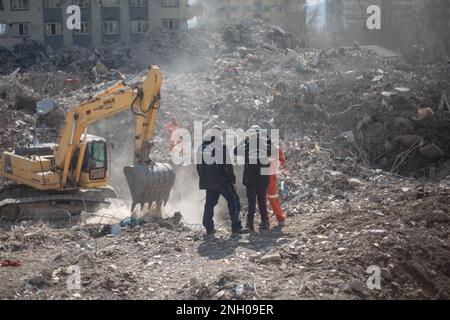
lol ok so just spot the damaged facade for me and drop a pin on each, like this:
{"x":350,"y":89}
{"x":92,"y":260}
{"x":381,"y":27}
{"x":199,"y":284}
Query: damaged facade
{"x":101,"y":21}
{"x":288,"y":14}
{"x":403,"y":22}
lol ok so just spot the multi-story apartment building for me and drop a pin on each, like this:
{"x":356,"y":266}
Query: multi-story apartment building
{"x":102,"y":21}
{"x":402,"y":21}
{"x":288,"y":14}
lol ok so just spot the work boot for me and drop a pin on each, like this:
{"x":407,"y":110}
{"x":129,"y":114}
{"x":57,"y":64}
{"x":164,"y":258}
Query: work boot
{"x":250,"y":225}
{"x":238,"y":231}
{"x":265,"y":225}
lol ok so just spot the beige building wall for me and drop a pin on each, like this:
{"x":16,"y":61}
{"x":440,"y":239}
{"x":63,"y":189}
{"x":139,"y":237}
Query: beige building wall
{"x":158,"y":13}
{"x":33,"y":16}
{"x":158,"y":16}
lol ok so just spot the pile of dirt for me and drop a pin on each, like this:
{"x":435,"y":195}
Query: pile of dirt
{"x":359,"y":133}
{"x":349,"y":98}
{"x":252,"y":33}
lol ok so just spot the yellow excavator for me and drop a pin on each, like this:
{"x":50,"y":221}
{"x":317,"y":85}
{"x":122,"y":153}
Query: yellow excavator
{"x":72,"y":175}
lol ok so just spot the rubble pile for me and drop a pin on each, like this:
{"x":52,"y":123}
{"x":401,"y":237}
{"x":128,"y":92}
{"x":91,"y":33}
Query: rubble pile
{"x":17,"y":106}
{"x":253,"y":33}
{"x":157,"y":47}
{"x":24,"y":55}
{"x":384,"y":223}
{"x":250,"y":71}
{"x":367,"y":146}
{"x":225,"y":287}
{"x":384,"y":114}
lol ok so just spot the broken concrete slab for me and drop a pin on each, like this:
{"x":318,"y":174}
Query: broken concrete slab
{"x":272,"y":257}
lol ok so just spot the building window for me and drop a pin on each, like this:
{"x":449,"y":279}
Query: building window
{"x":1,"y":5}
{"x":110,"y":3}
{"x":171,"y":24}
{"x":51,"y":4}
{"x":84,"y":30}
{"x":138,"y":3}
{"x":21,"y":29}
{"x":139,"y":26}
{"x":53,"y":29}
{"x":20,"y":5}
{"x":3,"y":30}
{"x":81,"y":3}
{"x":111,"y":27}
{"x":170,"y":3}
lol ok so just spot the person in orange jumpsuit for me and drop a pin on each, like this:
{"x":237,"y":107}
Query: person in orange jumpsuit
{"x":273,"y":194}
{"x":171,"y":127}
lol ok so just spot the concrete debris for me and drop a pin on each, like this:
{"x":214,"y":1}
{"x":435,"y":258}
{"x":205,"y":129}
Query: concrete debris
{"x":274,"y":257}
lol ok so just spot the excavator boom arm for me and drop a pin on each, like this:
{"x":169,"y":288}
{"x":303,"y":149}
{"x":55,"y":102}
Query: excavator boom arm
{"x":143,"y":98}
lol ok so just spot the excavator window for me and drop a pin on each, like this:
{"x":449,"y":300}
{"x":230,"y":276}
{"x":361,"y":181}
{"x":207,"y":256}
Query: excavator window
{"x":95,"y":156}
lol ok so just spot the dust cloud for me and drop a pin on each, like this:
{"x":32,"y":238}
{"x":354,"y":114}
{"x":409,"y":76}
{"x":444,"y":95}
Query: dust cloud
{"x":186,"y":197}
{"x":117,"y":211}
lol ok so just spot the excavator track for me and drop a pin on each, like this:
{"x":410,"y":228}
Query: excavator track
{"x":18,"y":202}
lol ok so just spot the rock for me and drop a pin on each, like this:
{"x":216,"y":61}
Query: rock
{"x":221,"y":294}
{"x":254,"y":257}
{"x":29,"y":119}
{"x":153,"y":226}
{"x":193,"y":282}
{"x":239,"y":291}
{"x":349,"y":136}
{"x":16,"y":245}
{"x":344,"y":287}
{"x":37,"y":281}
{"x":355,"y":183}
{"x":213,"y":291}
{"x":357,"y":286}
{"x":367,"y":119}
{"x":113,"y":267}
{"x":374,"y":198}
{"x":386,"y":274}
{"x":274,"y":257}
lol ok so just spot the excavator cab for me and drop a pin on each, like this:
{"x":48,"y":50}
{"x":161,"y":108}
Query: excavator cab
{"x":94,"y":164}
{"x":95,"y":158}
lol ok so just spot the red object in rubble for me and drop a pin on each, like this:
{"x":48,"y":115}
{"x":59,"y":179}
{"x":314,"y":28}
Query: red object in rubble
{"x":10,"y":263}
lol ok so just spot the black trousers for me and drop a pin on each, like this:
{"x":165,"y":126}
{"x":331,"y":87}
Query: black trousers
{"x":253,"y":195}
{"x":234,"y":207}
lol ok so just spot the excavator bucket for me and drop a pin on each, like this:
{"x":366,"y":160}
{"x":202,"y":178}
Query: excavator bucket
{"x":150,"y":183}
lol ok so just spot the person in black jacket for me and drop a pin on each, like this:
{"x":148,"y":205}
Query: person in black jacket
{"x":256,"y":149}
{"x":216,"y":175}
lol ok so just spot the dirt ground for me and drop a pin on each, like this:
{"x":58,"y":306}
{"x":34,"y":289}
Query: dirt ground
{"x":323,"y":252}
